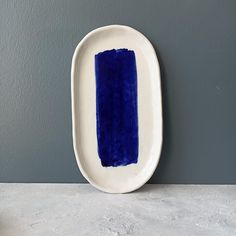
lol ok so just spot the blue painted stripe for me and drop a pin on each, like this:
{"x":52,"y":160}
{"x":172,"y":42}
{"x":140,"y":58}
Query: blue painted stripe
{"x":116,"y":107}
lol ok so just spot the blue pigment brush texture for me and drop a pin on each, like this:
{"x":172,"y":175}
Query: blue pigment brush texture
{"x":116,"y":107}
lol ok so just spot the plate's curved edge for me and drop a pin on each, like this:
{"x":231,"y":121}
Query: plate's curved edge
{"x":139,"y":185}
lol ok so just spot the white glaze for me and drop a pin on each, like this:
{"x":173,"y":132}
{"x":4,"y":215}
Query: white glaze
{"x":125,"y":178}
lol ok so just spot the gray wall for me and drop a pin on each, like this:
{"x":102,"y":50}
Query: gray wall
{"x":196,"y":45}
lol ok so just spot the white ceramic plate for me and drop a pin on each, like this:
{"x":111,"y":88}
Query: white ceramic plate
{"x":127,"y":178}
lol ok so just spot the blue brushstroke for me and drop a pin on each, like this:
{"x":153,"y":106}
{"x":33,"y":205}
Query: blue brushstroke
{"x":116,"y":107}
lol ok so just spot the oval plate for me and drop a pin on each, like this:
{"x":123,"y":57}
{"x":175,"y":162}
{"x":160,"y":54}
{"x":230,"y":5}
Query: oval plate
{"x":93,"y":129}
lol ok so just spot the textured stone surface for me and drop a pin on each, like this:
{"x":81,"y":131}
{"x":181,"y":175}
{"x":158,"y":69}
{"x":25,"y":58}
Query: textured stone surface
{"x":79,"y":209}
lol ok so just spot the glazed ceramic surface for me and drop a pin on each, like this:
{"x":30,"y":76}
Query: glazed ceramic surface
{"x":129,"y":175}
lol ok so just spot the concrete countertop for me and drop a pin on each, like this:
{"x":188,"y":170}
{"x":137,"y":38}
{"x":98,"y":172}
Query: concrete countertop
{"x":79,"y":209}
